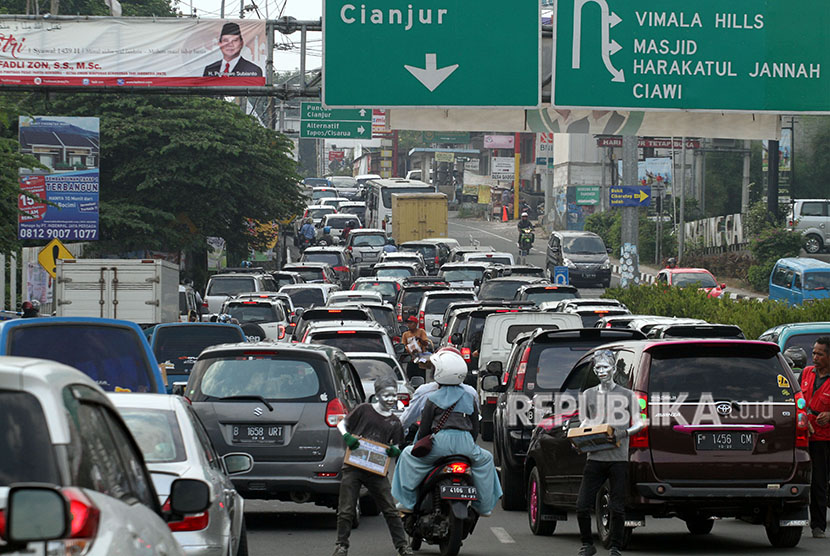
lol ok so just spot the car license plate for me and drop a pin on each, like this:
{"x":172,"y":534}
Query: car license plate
{"x":458,"y":492}
{"x":590,"y":275}
{"x":257,"y":433}
{"x":724,"y":440}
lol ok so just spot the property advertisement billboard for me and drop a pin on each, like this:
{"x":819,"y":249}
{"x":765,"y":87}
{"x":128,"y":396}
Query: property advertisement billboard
{"x":64,"y":198}
{"x":168,"y":52}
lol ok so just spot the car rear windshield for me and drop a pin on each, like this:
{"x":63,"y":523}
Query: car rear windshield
{"x":514,"y":331}
{"x":157,"y":433}
{"x":309,"y":274}
{"x":394,"y":272}
{"x":320,"y":212}
{"x":335,"y":314}
{"x":538,"y":297}
{"x":306,"y":297}
{"x":386,"y":289}
{"x":331,"y":259}
{"x":437,"y":304}
{"x":90,"y":349}
{"x":412,"y":296}
{"x":385,"y":316}
{"x":283,"y":280}
{"x":500,"y":289}
{"x":724,"y":372}
{"x":371,"y":369}
{"x":349,"y":340}
{"x":230,"y":286}
{"x":178,"y":344}
{"x":582,"y":245}
{"x":251,"y":311}
{"x":591,"y":316}
{"x":27,"y":455}
{"x":462,"y":274}
{"x":368,"y":240}
{"x":389,"y":191}
{"x":272,"y":376}
{"x":700,"y":279}
{"x":429,"y":252}
{"x":551,"y":364}
{"x":805,"y":342}
{"x":491,"y":260}
{"x":340,"y":223}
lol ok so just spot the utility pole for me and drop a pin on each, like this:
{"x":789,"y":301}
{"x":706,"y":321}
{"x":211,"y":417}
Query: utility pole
{"x":772,"y":181}
{"x":745,"y":180}
{"x":629,"y":253}
{"x":681,"y":230}
{"x":517,"y":174}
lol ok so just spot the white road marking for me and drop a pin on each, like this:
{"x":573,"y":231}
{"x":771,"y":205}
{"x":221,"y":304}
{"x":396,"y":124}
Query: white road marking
{"x":502,"y":534}
{"x":532,"y":249}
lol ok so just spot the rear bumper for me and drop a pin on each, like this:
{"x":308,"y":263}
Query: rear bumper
{"x":749,"y":495}
{"x":286,"y":480}
{"x":588,"y":276}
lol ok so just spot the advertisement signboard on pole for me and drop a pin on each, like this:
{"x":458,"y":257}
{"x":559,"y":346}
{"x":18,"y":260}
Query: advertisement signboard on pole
{"x":69,"y":147}
{"x":502,"y":167}
{"x":163,"y":52}
{"x":499,"y":141}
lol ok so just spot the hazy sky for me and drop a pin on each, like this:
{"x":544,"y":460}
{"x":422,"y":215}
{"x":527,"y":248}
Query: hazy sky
{"x":300,"y":9}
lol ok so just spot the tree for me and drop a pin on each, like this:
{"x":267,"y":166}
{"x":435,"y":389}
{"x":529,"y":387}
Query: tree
{"x":158,"y":8}
{"x":175,"y":170}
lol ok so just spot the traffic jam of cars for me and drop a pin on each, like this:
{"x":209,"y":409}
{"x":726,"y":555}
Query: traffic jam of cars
{"x":396,"y":372}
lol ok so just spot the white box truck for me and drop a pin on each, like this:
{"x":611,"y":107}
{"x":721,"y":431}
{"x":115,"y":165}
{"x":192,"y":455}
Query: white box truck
{"x":144,"y":291}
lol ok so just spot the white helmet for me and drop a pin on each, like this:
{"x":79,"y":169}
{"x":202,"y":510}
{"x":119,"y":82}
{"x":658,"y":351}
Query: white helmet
{"x":450,"y":368}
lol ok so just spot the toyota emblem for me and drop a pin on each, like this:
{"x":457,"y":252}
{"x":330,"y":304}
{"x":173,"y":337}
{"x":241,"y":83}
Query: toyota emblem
{"x":258,"y":411}
{"x":724,"y":408}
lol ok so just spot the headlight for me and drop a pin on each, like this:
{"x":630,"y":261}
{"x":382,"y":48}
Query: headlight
{"x":569,"y":263}
{"x":606,"y":265}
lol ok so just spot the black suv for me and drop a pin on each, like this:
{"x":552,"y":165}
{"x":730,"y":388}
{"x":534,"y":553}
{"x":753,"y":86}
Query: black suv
{"x":537,"y":367}
{"x":583,"y":253}
{"x":409,"y":296}
{"x":280,"y":403}
{"x":434,"y":254}
{"x":726,"y":436}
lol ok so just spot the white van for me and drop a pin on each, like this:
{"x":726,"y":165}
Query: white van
{"x":379,"y":199}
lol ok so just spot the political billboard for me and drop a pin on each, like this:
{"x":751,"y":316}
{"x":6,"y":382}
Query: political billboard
{"x":166,"y":52}
{"x":63,"y":199}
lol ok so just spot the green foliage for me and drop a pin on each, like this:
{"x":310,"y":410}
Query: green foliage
{"x":751,"y":315}
{"x":608,"y":226}
{"x":812,"y":165}
{"x":158,"y":8}
{"x":769,"y":246}
{"x":734,"y":264}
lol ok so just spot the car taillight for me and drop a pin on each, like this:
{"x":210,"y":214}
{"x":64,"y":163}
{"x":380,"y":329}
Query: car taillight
{"x":520,"y":372}
{"x":280,"y":332}
{"x":640,"y":440}
{"x":465,"y":353}
{"x":341,"y":268}
{"x":85,"y":514}
{"x":420,"y":319}
{"x":436,"y":259}
{"x":802,"y":439}
{"x":335,"y":412}
{"x":396,"y":339}
{"x":404,"y":398}
{"x":189,"y":523}
{"x":399,"y":310}
{"x":383,"y":225}
{"x":204,"y":304}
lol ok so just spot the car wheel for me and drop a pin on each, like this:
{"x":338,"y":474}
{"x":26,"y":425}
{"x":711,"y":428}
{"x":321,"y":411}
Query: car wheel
{"x":603,"y":519}
{"x":700,"y":526}
{"x":782,"y":537}
{"x":487,"y":430}
{"x":812,"y":244}
{"x":242,"y":549}
{"x":513,"y":497}
{"x":536,"y":508}
{"x":368,"y":506}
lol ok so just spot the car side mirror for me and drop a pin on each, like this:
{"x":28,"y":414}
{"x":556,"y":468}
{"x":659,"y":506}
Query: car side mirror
{"x":237,"y":464}
{"x":178,"y":388}
{"x":436,"y":323}
{"x":35,"y":514}
{"x":494,"y":367}
{"x":436,"y":331}
{"x":492,"y":383}
{"x":298,"y":312}
{"x":456,"y":338}
{"x":399,"y":349}
{"x":188,"y":496}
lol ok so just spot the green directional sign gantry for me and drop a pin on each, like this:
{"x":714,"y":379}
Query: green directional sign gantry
{"x":317,"y":122}
{"x":431,"y":53}
{"x":741,"y":55}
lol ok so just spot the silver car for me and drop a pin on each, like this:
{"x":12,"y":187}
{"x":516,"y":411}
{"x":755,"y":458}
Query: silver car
{"x":175,"y":445}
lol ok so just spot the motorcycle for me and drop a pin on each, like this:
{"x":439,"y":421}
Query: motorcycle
{"x":443,"y":514}
{"x":526,"y":239}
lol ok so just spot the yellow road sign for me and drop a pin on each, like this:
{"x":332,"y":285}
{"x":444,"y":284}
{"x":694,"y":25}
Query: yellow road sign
{"x":49,"y":255}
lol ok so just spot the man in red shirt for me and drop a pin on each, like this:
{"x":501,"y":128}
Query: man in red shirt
{"x":815,"y":385}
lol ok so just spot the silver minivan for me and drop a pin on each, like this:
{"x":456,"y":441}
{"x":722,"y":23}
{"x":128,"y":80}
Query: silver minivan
{"x":811,"y":217}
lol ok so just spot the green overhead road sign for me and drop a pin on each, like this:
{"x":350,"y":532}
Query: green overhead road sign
{"x":315,"y":111}
{"x":741,"y":55}
{"x":441,"y":53}
{"x":335,"y":130}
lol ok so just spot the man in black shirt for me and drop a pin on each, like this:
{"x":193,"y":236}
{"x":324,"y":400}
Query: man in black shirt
{"x":374,"y":422}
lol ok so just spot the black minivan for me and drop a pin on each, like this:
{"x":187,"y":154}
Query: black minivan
{"x":585,"y":255}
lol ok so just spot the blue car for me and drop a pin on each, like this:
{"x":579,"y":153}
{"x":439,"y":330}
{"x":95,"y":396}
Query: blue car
{"x":797,"y":334}
{"x":799,"y":280}
{"x":114,"y":353}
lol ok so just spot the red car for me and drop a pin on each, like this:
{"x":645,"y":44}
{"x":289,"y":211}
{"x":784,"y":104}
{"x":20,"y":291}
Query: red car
{"x":682,"y":277}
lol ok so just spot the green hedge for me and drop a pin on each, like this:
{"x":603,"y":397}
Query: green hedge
{"x":752,"y":315}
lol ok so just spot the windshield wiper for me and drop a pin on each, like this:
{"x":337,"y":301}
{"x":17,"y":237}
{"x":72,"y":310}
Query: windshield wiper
{"x":249,"y":397}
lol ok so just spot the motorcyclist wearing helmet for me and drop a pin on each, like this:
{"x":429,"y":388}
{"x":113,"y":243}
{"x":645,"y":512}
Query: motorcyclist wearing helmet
{"x":524,"y":223}
{"x":457,"y":437}
{"x":307,"y":232}
{"x":31,"y":309}
{"x":671,"y":263}
{"x":390,"y":247}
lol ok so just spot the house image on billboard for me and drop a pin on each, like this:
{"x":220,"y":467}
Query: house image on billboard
{"x":62,"y":144}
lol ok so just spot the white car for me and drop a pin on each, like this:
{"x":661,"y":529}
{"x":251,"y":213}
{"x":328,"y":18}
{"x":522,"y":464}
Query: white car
{"x":354,"y":296}
{"x":175,"y":444}
{"x":490,"y":258}
{"x":72,"y":447}
{"x":373,"y":365}
{"x":306,"y":296}
{"x":434,"y":304}
{"x":351,"y":336}
{"x":260,"y":319}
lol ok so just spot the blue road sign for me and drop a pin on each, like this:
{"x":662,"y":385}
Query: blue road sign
{"x":630,"y":196}
{"x":560,"y":276}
